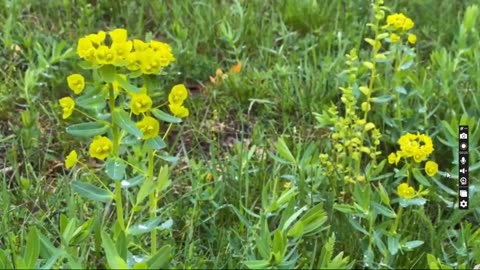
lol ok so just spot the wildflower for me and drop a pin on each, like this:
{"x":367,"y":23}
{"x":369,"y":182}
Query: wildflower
{"x":287,"y":185}
{"x":178,"y":94}
{"x":405,"y":191}
{"x":133,"y":61}
{"x":122,"y":52}
{"x":391,"y":158}
{"x":100,"y":148}
{"x":236,"y":68}
{"x":71,"y":160}
{"x":408,"y":24}
{"x":179,"y":110}
{"x":412,"y":38}
{"x":76,"y":82}
{"x":140,"y":103}
{"x":394,"y":38}
{"x":426,"y":145}
{"x":419,"y":156}
{"x":98,"y":38}
{"x":67,"y":104}
{"x":139,"y":45}
{"x":118,"y":35}
{"x":431,"y":168}
{"x":85,"y":48}
{"x":105,"y":55}
{"x":149,"y":126}
{"x":408,"y":144}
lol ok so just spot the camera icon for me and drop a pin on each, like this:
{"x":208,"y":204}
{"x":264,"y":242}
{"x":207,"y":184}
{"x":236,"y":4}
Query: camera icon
{"x":463,"y":181}
{"x":463,"y":136}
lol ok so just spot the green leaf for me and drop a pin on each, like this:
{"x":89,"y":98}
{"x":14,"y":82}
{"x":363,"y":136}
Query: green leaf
{"x":91,"y":101}
{"x":113,"y":259}
{"x":284,"y":152}
{"x":92,"y":192}
{"x":88,"y":129}
{"x":155,"y":143}
{"x":142,"y":228}
{"x":314,"y":219}
{"x":393,"y":245}
{"x":384,"y":210}
{"x":294,"y":217}
{"x":4,"y":262}
{"x":383,"y":194}
{"x":32,"y":249}
{"x":344,"y":208}
{"x":132,"y":182}
{"x":142,"y":265}
{"x":279,"y":246}
{"x":115,"y":168}
{"x":296,"y":230}
{"x":432,"y":262}
{"x":122,"y":245}
{"x":108,"y":73}
{"x":126,"y":85}
{"x":257,"y":264}
{"x":162,"y":180}
{"x":413,"y":244}
{"x":146,"y":189}
{"x":382,"y":99}
{"x":420,"y":178}
{"x":161,"y":115}
{"x":69,"y":230}
{"x":160,"y":259}
{"x":47,"y":249}
{"x":122,"y":119}
{"x":357,"y":226}
{"x":406,"y":65}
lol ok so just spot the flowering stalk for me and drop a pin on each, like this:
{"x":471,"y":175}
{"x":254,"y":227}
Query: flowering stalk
{"x":118,"y":187}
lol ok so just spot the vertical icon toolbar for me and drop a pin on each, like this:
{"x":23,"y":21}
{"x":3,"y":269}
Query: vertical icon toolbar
{"x":463,"y":167}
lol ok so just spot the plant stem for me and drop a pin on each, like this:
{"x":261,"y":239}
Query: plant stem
{"x":118,"y":187}
{"x":152,"y":201}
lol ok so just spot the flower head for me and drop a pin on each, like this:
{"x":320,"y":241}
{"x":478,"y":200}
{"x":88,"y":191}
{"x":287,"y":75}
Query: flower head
{"x":412,"y":38}
{"x":179,"y":110}
{"x":97,"y":38}
{"x":76,"y":82}
{"x":149,"y":126}
{"x":178,"y":94}
{"x":287,"y":185}
{"x":392,"y":158}
{"x":100,"y":148}
{"x":140,"y":103}
{"x":431,"y":168}
{"x":105,"y":55}
{"x":118,"y":35}
{"x":67,"y":104}
{"x":71,"y":160}
{"x":394,"y":38}
{"x":405,"y":191}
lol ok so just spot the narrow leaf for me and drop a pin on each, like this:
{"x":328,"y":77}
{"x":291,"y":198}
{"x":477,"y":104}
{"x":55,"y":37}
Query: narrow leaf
{"x":92,"y":192}
{"x":87,"y":129}
{"x":161,"y":115}
{"x":115,"y":168}
{"x":122,"y":119}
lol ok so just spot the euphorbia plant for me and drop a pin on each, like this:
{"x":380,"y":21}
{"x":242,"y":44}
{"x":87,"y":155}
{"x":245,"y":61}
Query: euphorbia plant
{"x":125,"y":129}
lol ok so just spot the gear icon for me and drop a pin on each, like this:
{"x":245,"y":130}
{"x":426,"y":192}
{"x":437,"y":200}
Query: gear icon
{"x":463,"y":203}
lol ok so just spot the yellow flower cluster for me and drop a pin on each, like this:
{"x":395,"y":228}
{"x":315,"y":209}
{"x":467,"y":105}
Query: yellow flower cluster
{"x":135,"y":55}
{"x":400,"y":23}
{"x":149,"y":126}
{"x":101,"y":147}
{"x":177,"y":96}
{"x":405,"y":191}
{"x":417,"y":146}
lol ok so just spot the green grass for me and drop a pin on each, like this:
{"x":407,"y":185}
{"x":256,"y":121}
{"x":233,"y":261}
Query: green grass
{"x":293,"y":55}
